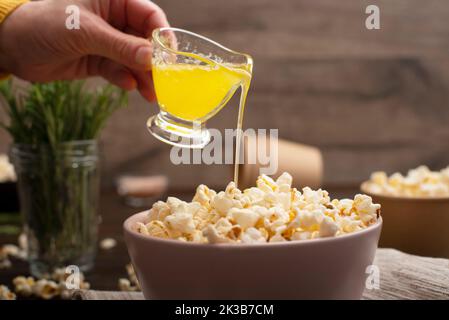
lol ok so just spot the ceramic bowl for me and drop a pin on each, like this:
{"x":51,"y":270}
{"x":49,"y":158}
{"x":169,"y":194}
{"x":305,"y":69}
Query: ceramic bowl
{"x":328,"y":268}
{"x":418,"y":226}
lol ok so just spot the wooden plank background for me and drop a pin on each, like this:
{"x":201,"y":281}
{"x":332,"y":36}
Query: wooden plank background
{"x":369,"y":99}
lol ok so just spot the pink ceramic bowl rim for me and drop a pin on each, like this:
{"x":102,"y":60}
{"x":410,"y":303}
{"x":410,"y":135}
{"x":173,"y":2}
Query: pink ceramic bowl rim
{"x":364,"y":189}
{"x":138,"y":217}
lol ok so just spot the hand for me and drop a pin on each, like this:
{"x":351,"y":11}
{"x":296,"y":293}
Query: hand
{"x":112,"y":42}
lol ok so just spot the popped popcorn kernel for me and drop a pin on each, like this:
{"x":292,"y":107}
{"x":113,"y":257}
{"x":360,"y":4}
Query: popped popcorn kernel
{"x":6,"y":294}
{"x":7,"y":172}
{"x":419,"y":182}
{"x":273,"y":211}
{"x":253,"y":235}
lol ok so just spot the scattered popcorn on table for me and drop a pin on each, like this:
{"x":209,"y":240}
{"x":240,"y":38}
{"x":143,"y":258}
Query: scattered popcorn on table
{"x":8,"y":251}
{"x":6,"y":294}
{"x":130,"y":284}
{"x":419,"y":182}
{"x":108,"y":243}
{"x":271,"y":212}
{"x":6,"y":169}
{"x":53,"y":286}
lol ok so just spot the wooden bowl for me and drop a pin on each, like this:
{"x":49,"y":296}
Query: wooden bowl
{"x":415,"y":225}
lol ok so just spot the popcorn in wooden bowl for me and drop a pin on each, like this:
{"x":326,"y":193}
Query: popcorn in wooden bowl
{"x":415,"y":210}
{"x":419,"y":182}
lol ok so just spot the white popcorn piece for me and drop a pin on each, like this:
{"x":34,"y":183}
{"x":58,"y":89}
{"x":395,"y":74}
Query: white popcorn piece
{"x":284,"y":181}
{"x":11,"y":250}
{"x":379,"y":177}
{"x":307,"y":219}
{"x":125,"y":285}
{"x":253,"y":235}
{"x":204,"y":195}
{"x":347,"y":225}
{"x":214,"y":237}
{"x":222,"y":203}
{"x":301,"y":235}
{"x":23,"y":286}
{"x":6,"y":294}
{"x":255,"y":195}
{"x":7,"y":172}
{"x":365,"y":207}
{"x":159,"y":211}
{"x":180,"y":221}
{"x":108,"y":243}
{"x":46,"y":289}
{"x":266,"y":184}
{"x":275,"y":217}
{"x":328,"y":227}
{"x":142,"y":228}
{"x":156,"y":228}
{"x":315,"y":197}
{"x":277,"y":238}
{"x":246,"y":218}
{"x":232,"y":191}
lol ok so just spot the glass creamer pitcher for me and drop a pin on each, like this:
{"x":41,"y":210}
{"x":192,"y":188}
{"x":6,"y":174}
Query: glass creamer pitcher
{"x":194,"y":77}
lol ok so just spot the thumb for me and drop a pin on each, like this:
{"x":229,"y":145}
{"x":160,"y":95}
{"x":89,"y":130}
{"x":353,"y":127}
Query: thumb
{"x":131,"y":51}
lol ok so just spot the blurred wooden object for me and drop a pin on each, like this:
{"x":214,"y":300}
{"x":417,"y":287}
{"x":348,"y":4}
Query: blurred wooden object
{"x":402,"y":276}
{"x":303,"y":162}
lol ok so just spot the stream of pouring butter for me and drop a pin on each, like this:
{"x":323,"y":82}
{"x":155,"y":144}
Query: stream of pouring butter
{"x":238,"y":143}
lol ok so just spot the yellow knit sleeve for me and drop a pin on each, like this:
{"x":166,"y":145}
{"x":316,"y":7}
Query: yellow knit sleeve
{"x":8,"y":6}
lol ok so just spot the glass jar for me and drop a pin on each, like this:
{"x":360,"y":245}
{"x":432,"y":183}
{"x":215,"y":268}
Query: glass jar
{"x":59,"y":191}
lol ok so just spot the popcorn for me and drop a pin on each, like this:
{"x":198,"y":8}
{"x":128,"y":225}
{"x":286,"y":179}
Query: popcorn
{"x":181,"y":222}
{"x":130,"y":284}
{"x":253,"y":235}
{"x":156,"y":228}
{"x":419,"y":182}
{"x":277,"y":238}
{"x":271,"y":212}
{"x":108,"y":243}
{"x":10,"y":250}
{"x":159,"y":211}
{"x":246,"y":218}
{"x":24,"y":286}
{"x":125,"y":285}
{"x":222,"y":203}
{"x":204,"y":195}
{"x":7,"y":172}
{"x":328,"y":227}
{"x":213,"y":236}
{"x":46,"y":289}
{"x":366,"y":209}
{"x":6,"y":294}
